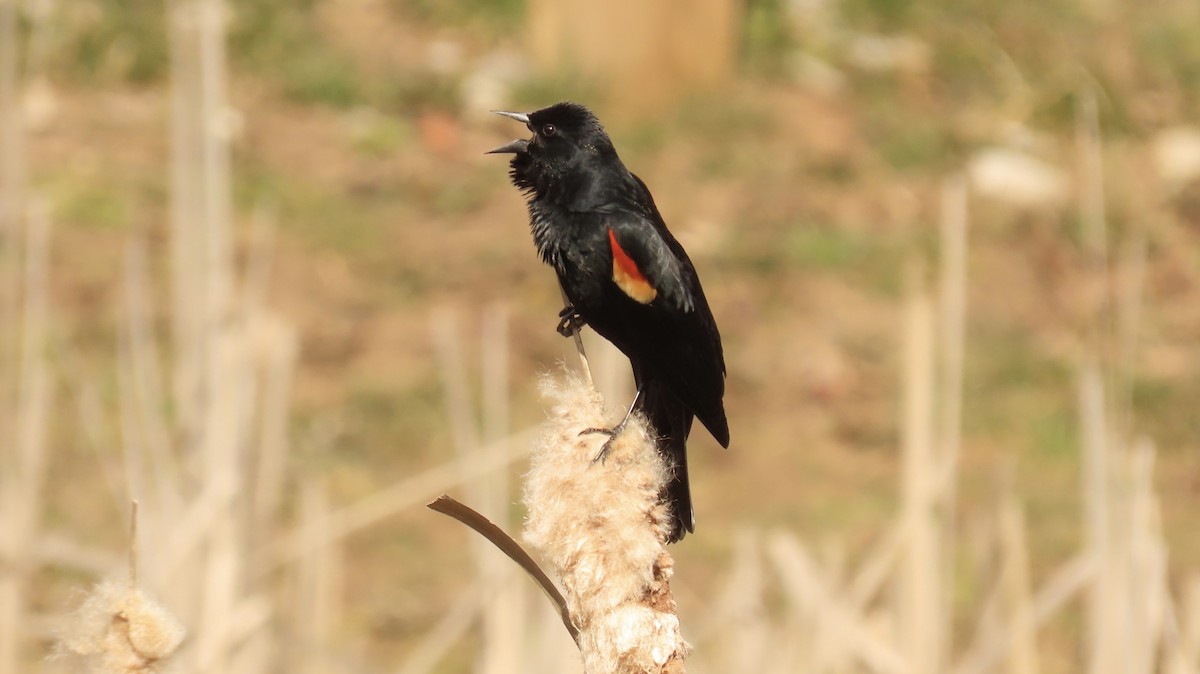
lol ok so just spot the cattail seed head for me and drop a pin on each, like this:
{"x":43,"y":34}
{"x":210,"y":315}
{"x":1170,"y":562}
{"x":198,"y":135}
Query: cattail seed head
{"x":121,"y":630}
{"x":602,"y":527}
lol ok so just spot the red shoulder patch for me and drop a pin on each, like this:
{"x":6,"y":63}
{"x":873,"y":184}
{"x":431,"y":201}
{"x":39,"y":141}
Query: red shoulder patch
{"x":626,"y":274}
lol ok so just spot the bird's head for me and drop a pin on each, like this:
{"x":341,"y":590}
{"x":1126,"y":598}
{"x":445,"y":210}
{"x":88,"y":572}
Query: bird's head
{"x":566,"y":150}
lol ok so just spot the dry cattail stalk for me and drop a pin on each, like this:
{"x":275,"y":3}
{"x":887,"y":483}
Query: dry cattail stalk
{"x":120,"y":630}
{"x":601,"y":526}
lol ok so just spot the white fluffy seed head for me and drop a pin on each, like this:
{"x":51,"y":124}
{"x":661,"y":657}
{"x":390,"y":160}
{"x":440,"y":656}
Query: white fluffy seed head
{"x":602,"y":527}
{"x":121,"y":630}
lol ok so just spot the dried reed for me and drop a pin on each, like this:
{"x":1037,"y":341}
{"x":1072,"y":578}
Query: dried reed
{"x":23,"y":471}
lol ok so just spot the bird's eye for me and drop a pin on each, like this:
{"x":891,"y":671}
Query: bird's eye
{"x":549,"y":130}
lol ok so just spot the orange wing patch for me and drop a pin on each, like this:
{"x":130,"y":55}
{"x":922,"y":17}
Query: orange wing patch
{"x":627,"y":276}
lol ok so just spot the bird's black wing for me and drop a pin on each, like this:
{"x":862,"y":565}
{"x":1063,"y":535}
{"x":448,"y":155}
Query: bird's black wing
{"x":676,"y":333}
{"x":641,"y":253}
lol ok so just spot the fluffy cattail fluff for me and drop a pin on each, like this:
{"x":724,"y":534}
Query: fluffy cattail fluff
{"x":602,"y":527}
{"x":120,"y":630}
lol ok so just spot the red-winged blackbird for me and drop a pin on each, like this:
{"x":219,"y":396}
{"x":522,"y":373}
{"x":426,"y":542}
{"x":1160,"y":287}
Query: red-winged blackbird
{"x":624,"y":274}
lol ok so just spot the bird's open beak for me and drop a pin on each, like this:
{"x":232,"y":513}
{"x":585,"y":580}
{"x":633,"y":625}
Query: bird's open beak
{"x":517,"y":146}
{"x":519,"y":116}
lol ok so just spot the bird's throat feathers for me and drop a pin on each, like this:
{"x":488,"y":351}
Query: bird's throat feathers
{"x":570,"y":183}
{"x":548,"y":237}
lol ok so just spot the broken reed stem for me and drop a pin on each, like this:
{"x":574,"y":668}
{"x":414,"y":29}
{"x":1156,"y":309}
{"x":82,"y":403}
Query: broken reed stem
{"x":447,"y":505}
{"x":583,"y":361}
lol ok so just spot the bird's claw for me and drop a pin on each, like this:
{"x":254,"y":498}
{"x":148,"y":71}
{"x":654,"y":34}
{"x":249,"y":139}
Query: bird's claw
{"x":571,"y":322}
{"x":612,"y":434}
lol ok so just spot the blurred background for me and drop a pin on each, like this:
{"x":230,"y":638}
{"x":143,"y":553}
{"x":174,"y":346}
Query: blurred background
{"x":256,"y":273}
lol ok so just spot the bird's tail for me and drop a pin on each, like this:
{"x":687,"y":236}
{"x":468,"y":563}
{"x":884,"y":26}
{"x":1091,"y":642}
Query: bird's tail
{"x":672,"y":422}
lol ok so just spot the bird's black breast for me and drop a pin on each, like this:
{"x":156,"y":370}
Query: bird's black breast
{"x":576,"y":246}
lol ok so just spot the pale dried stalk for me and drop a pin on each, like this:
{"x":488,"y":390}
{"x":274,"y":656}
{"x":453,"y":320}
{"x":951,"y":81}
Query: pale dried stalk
{"x":1104,"y":631}
{"x":378,"y":506}
{"x":1104,"y":626}
{"x":144,"y":425}
{"x":187,"y":214}
{"x":215,"y":151}
{"x":1091,"y":201}
{"x":504,"y":618}
{"x":1015,"y":586}
{"x":988,"y":641}
{"x":96,"y":430}
{"x":921,"y":622}
{"x":454,"y":623}
{"x":951,"y":348}
{"x":804,"y":585}
{"x":454,"y":381}
{"x":1187,"y":653}
{"x":1129,"y":312}
{"x":873,"y":573}
{"x":745,"y":627}
{"x":12,"y":204}
{"x":260,"y":262}
{"x":21,"y":486}
{"x":486,"y":492}
{"x":12,"y":178}
{"x":500,"y":617}
{"x":232,"y":364}
{"x":278,"y":351}
{"x":1149,"y":593}
{"x":319,"y":586}
{"x":1128,"y":602}
{"x":1069,"y":580}
{"x":952,"y":309}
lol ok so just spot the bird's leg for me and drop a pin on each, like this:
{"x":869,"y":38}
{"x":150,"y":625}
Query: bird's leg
{"x":613,"y":432}
{"x":571,"y":321}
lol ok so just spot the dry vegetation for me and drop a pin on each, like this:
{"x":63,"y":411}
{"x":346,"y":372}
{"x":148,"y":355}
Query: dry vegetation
{"x":953,"y":248}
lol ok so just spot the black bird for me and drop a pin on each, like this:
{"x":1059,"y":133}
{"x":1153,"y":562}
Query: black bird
{"x":623,"y":274}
